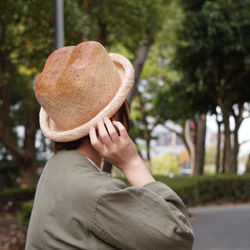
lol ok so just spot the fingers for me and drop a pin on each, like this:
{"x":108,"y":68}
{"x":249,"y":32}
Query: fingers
{"x":113,"y":133}
{"x":102,"y":132}
{"x":112,"y":142}
{"x":96,"y":143}
{"x":108,"y":132}
{"x":121,"y":129}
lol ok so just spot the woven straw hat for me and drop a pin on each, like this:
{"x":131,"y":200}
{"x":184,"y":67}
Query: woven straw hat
{"x":78,"y":86}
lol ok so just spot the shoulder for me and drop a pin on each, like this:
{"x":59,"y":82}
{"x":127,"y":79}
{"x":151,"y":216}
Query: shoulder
{"x":82,"y":175}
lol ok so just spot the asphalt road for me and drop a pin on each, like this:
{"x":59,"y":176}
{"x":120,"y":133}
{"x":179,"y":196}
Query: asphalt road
{"x":221,"y":227}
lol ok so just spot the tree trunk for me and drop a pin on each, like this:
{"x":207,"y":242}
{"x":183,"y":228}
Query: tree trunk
{"x":190,"y":146}
{"x":200,"y":145}
{"x":247,"y":171}
{"x":228,"y":156}
{"x":223,"y":158}
{"x":227,"y":139}
{"x":24,"y":157}
{"x":238,"y":120}
{"x":235,"y":151}
{"x":139,"y":62}
{"x":27,"y":172}
{"x":218,"y":151}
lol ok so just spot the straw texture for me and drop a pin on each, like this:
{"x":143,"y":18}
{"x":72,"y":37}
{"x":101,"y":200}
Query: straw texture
{"x":78,"y":86}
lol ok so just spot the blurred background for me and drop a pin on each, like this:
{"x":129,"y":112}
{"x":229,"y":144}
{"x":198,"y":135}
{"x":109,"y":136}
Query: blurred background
{"x":190,"y":107}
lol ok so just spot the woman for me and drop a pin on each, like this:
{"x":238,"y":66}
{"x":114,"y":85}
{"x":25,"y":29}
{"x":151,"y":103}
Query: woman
{"x":82,"y":91}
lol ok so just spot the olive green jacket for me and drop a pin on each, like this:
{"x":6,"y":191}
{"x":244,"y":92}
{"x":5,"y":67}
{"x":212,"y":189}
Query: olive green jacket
{"x":77,"y":206}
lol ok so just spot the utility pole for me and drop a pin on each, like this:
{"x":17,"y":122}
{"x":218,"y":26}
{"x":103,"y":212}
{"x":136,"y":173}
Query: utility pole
{"x":59,"y":23}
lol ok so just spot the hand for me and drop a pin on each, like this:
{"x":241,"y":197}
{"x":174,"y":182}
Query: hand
{"x":114,"y":144}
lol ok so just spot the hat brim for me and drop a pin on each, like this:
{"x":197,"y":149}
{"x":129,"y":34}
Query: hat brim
{"x":126,"y":72}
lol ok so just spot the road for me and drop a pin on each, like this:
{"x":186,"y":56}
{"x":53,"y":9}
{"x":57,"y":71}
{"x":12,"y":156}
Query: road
{"x":221,"y":227}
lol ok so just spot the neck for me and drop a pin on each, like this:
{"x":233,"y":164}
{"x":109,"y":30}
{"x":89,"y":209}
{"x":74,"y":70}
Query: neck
{"x":87,"y":150}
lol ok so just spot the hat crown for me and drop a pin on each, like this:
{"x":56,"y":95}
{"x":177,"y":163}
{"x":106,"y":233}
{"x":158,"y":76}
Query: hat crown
{"x":77,"y":83}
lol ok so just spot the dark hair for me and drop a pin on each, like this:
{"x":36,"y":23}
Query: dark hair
{"x":57,"y":146}
{"x":122,"y":115}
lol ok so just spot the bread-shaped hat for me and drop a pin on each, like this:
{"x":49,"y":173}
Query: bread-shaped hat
{"x":78,"y":86}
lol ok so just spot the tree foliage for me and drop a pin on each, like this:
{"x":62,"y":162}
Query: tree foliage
{"x":27,"y":38}
{"x":213,"y":54}
{"x":157,"y":77}
{"x":165,"y":164}
{"x":125,"y":22}
{"x":215,"y":57}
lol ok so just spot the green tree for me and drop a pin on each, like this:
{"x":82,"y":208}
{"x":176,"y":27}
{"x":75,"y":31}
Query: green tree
{"x":125,"y":22}
{"x":130,"y":24}
{"x":171,"y":100}
{"x":157,"y":75}
{"x":214,"y":58}
{"x":27,"y":38}
{"x":143,"y":116}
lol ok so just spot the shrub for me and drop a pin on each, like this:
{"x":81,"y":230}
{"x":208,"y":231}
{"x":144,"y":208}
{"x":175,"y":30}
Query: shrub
{"x":25,"y":212}
{"x":17,"y":194}
{"x":11,"y":199}
{"x":210,"y":189}
{"x":192,"y":190}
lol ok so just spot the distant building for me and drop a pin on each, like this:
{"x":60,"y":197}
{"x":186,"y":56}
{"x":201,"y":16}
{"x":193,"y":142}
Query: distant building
{"x":167,"y":142}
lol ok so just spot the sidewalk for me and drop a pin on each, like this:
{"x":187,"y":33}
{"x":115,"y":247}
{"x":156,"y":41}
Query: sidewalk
{"x":221,"y":227}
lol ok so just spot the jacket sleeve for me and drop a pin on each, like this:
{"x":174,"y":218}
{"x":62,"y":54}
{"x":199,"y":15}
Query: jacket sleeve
{"x":149,"y":217}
